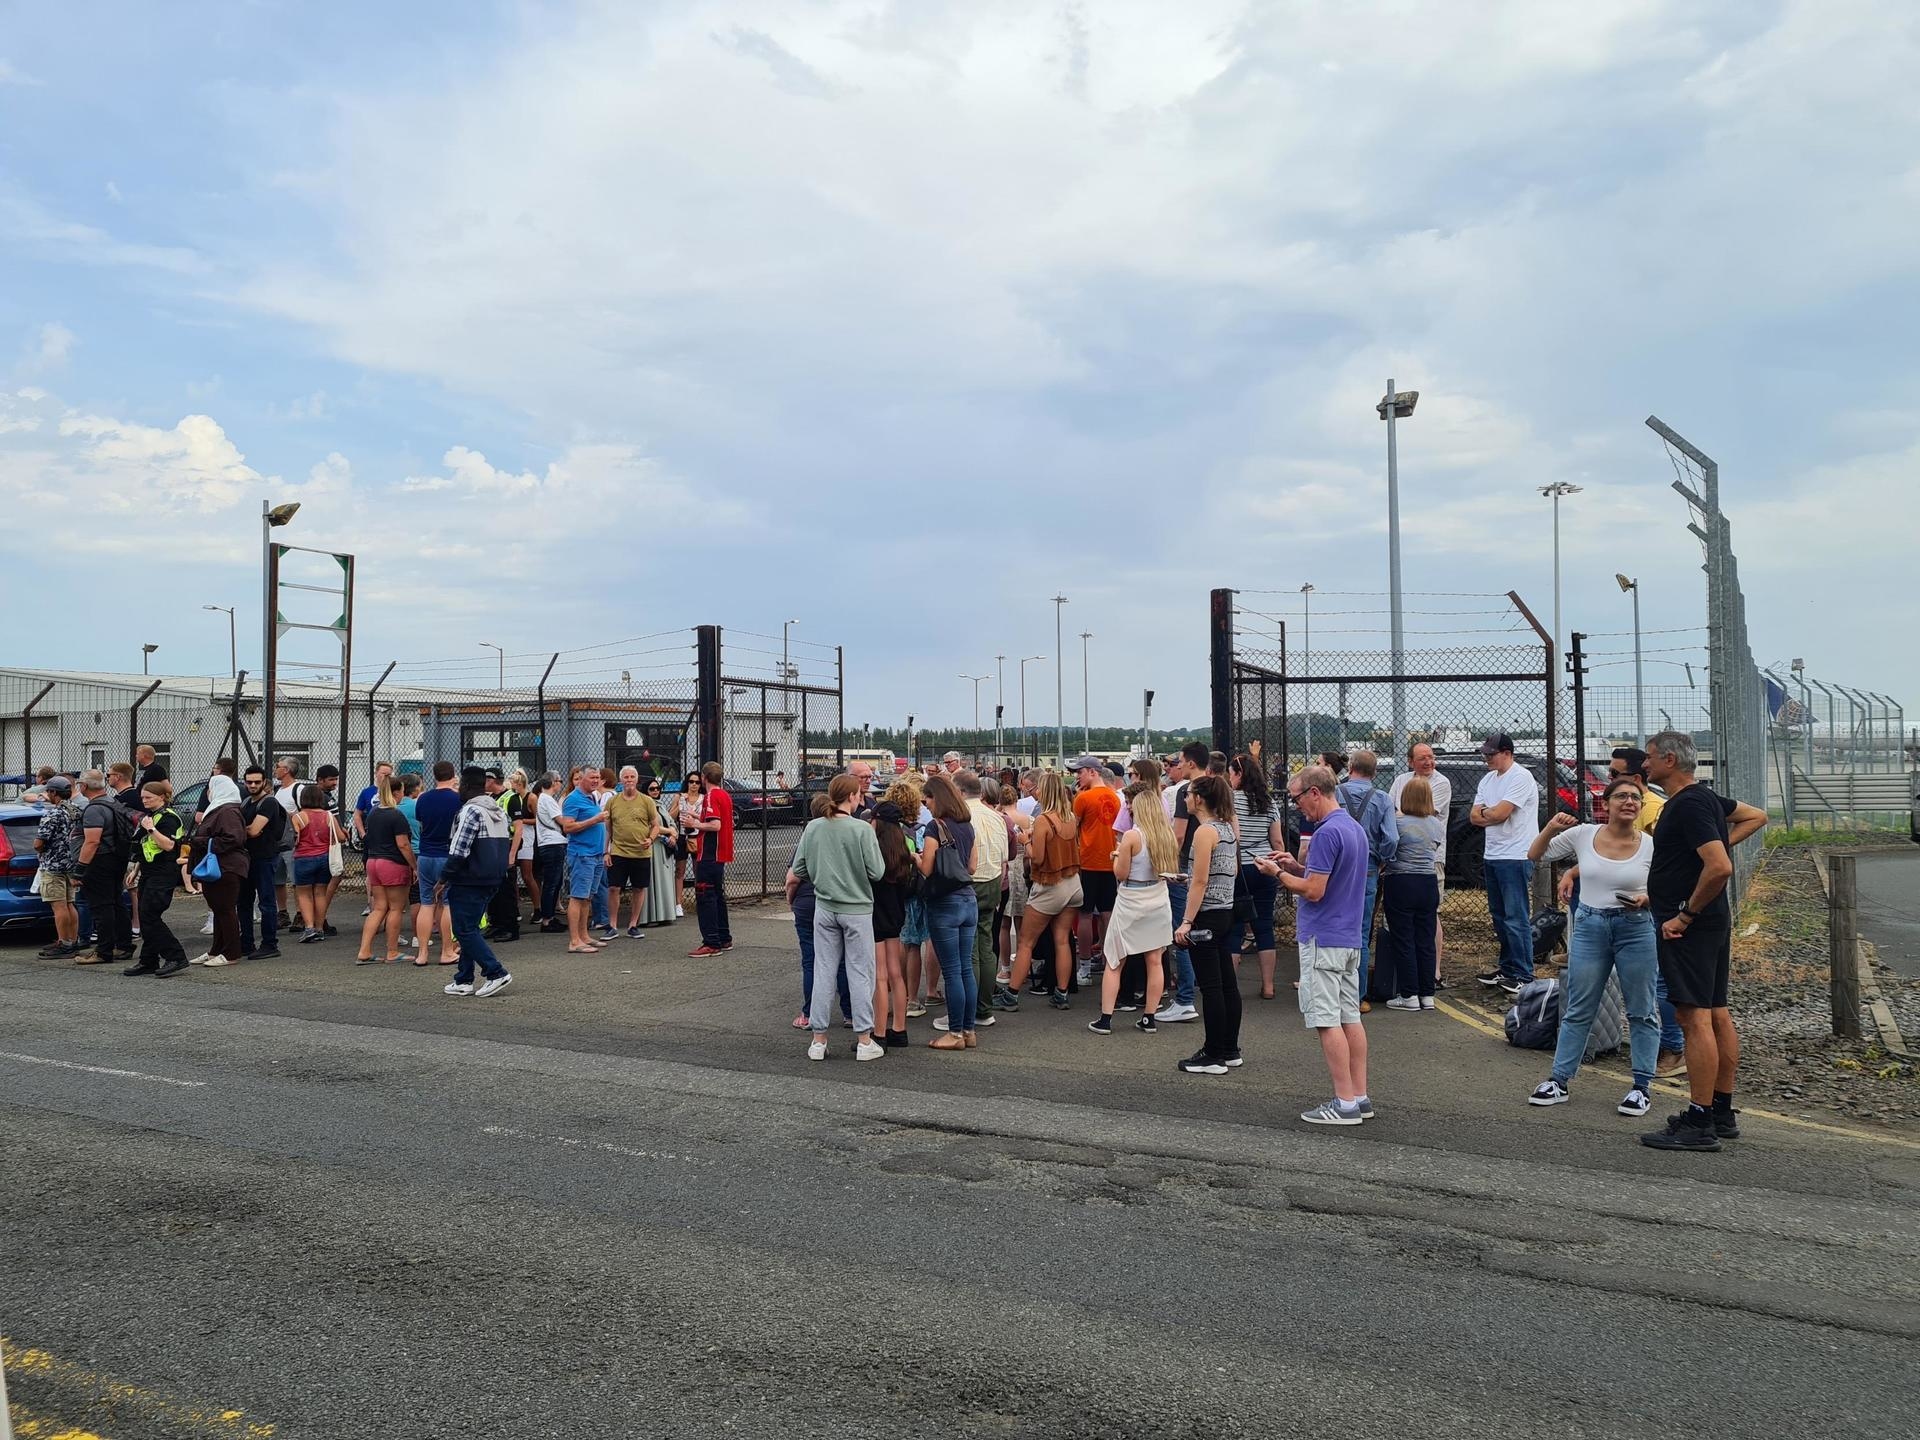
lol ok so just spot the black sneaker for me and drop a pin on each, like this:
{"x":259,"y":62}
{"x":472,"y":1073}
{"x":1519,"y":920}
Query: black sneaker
{"x":1101,"y":1026}
{"x":1058,"y":1001}
{"x":1726,"y":1124}
{"x":1689,"y":1130}
{"x":1200,"y":1063}
{"x":326,"y":928}
{"x":1510,"y":985}
{"x":1132,"y":1002}
{"x":1146,"y":1026}
{"x":1490,"y":978}
{"x":1036,"y":988}
{"x":1005,"y":999}
{"x":141,"y":969}
{"x":269,"y":952}
{"x":55,"y":951}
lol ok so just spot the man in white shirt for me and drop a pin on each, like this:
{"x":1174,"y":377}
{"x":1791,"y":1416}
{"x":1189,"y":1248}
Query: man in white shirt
{"x":1507,"y":806}
{"x":1420,"y":762}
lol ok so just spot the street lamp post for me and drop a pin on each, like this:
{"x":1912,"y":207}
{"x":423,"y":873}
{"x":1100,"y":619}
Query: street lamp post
{"x":272,"y":517}
{"x":501,"y":652}
{"x":976,"y":679}
{"x":785,"y":668}
{"x":999,"y":703}
{"x":1059,"y":684}
{"x":146,"y":651}
{"x":1632,"y":587}
{"x":1306,"y":663}
{"x":1086,"y":707}
{"x":1396,"y":405}
{"x":1558,"y":491}
{"x":233,"y":649}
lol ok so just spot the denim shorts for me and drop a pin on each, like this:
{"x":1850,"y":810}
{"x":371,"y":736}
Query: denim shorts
{"x":432,"y":867}
{"x":583,"y":875}
{"x":311,"y":870}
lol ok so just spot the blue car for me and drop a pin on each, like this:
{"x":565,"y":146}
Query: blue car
{"x":20,"y":908}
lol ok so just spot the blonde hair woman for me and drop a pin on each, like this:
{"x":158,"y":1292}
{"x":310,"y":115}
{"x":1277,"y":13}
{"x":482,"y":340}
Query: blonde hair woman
{"x":1053,"y":892}
{"x":1142,"y":921}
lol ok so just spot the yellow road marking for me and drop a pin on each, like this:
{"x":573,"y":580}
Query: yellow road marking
{"x":1674,"y":1087}
{"x":98,"y":1389}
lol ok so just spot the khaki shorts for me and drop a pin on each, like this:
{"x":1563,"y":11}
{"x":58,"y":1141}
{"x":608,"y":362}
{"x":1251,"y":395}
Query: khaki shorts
{"x":58,"y":889}
{"x":1329,"y":986}
{"x":1052,"y":899}
{"x":1440,"y":873}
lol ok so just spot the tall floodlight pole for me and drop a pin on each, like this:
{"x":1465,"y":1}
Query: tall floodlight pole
{"x":1632,"y":587}
{"x":271,"y":518}
{"x":786,"y":670}
{"x":1059,"y":683}
{"x":1558,"y":491}
{"x":501,"y":652}
{"x":1306,"y":663}
{"x":233,"y":641}
{"x":1396,"y":405}
{"x":1086,"y":708}
{"x":976,"y":679}
{"x":999,"y":703}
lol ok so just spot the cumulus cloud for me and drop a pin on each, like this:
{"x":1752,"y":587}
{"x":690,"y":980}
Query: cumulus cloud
{"x":51,"y":347}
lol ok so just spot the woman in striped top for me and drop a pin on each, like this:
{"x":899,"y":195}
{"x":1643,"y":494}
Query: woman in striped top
{"x":1256,"y":821}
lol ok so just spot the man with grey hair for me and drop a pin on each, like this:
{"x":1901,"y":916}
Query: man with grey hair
{"x":953,"y":762}
{"x":1687,"y":891}
{"x":106,"y":845}
{"x":58,"y":842}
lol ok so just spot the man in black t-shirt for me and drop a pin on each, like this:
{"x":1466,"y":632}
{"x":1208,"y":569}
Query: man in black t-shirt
{"x":106,"y":842}
{"x":1687,"y":891}
{"x":266,"y":821}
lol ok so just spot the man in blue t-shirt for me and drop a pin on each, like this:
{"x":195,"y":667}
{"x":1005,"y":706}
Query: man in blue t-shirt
{"x":435,"y":811}
{"x":1332,"y":891}
{"x":583,"y":820}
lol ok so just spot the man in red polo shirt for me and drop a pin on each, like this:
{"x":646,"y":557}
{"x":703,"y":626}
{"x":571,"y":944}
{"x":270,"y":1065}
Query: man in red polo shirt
{"x":710,"y":870}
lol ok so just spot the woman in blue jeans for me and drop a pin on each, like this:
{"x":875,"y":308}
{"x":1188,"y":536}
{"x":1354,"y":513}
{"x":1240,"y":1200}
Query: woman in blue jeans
{"x":1612,"y":934}
{"x":952,"y":918}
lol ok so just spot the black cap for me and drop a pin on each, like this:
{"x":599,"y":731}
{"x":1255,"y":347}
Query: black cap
{"x":494,"y":773}
{"x":472,"y":775}
{"x":1496,"y":742}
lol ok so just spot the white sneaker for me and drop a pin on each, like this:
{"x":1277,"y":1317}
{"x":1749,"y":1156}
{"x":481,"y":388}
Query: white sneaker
{"x":1174,"y":1013}
{"x":940,"y":1024}
{"x":206,"y":926}
{"x":366,"y":912}
{"x":679,"y":912}
{"x":456,"y":988}
{"x":493,"y":986}
{"x":869,"y":1050}
{"x":212,"y":960}
{"x":818,"y":1049}
{"x":1549,"y":1092}
{"x":1426,"y":1002}
{"x":1083,"y":974}
{"x":201,"y":959}
{"x":1634,"y":1102}
{"x":1404,"y":1002}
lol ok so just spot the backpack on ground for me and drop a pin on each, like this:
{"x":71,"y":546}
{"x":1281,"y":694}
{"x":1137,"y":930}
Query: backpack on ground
{"x":1533,"y":1021}
{"x":1549,"y":933}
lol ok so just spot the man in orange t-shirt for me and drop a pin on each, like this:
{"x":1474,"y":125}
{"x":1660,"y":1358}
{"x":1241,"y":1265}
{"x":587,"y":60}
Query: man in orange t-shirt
{"x":1096,"y":807}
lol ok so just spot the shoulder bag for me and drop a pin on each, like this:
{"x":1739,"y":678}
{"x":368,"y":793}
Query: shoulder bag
{"x":949,"y":875}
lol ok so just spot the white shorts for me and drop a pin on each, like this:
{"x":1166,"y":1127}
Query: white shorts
{"x":1052,"y":899}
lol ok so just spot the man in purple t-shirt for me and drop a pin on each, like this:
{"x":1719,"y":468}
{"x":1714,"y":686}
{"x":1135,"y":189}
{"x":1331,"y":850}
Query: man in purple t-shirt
{"x":1332,"y":886}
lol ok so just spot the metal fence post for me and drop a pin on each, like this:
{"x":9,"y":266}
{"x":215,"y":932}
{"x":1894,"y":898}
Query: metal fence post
{"x":1577,"y":669}
{"x":26,"y":732}
{"x":1843,"y":950}
{"x":1220,"y":663}
{"x":540,"y":702}
{"x":133,"y":724}
{"x":707,"y":696}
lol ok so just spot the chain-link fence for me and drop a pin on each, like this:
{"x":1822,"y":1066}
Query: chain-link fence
{"x":1838,"y":755}
{"x":663,"y":703}
{"x":1478,"y":665}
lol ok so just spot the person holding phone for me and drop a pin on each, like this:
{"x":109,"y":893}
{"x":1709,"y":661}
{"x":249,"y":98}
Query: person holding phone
{"x":1612,"y":935}
{"x":1202,"y":931}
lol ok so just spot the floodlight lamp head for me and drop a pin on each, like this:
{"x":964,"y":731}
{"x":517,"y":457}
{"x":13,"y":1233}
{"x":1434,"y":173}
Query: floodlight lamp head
{"x":149,"y":647}
{"x":1402,"y":402}
{"x":283,"y":514}
{"x":1626,"y":585}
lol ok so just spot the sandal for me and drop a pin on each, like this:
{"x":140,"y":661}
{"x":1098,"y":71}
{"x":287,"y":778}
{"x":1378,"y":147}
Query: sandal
{"x":365,"y":960}
{"x":582,"y":950}
{"x":393,"y":960}
{"x":948,"y":1041}
{"x":448,"y":960}
{"x":421,"y":963}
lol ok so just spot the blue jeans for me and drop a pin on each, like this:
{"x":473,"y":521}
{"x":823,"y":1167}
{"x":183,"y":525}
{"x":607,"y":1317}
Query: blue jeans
{"x":1508,"y":882}
{"x":951,"y":922}
{"x":257,"y":889}
{"x":1183,"y":988}
{"x":1260,"y":891}
{"x":1672,"y":1037}
{"x":467,"y":903}
{"x":710,"y":901}
{"x":803,"y":907}
{"x":1366,"y":925}
{"x":1606,"y":942}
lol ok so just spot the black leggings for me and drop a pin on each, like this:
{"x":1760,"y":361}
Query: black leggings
{"x":159,"y":945}
{"x":1219,"y":986}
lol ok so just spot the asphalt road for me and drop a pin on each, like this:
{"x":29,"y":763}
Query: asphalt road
{"x":617,"y":1200}
{"x":1888,"y":892}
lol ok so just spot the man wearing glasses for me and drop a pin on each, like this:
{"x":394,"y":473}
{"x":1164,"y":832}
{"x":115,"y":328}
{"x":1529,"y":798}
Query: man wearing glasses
{"x":266,"y":822}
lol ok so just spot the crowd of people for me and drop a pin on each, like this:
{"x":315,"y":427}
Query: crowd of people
{"x":970,"y":894}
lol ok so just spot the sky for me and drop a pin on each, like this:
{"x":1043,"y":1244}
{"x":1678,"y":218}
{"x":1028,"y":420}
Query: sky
{"x":577,"y":322}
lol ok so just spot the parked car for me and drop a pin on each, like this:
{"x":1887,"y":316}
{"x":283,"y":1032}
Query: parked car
{"x":755,"y":807}
{"x":1467,"y":842}
{"x":20,"y":908}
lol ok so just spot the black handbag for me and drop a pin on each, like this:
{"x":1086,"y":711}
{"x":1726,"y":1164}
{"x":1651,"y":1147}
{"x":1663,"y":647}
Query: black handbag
{"x":949,"y":875}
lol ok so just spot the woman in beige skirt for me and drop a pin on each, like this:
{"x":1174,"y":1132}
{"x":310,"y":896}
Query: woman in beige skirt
{"x":1142,"y":919}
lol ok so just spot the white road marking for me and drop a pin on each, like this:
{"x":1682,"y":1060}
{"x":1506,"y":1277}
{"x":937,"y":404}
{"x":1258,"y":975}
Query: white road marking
{"x":101,"y":1070}
{"x":511,"y":1134}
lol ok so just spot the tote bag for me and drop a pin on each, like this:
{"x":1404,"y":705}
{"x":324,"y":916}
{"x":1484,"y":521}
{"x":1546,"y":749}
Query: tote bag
{"x":208,"y":868}
{"x":949,"y":875}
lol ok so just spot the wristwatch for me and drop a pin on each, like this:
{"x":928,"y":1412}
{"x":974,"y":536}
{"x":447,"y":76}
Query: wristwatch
{"x":1688,"y":913}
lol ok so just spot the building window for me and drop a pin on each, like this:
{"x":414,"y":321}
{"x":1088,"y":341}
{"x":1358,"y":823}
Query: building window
{"x":511,"y":747}
{"x":764,"y":758}
{"x":96,"y":757}
{"x":299,"y":753}
{"x":654,"y":750}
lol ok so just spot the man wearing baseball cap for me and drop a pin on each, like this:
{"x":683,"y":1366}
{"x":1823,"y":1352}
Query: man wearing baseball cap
{"x":59,"y":845}
{"x":1507,"y":806}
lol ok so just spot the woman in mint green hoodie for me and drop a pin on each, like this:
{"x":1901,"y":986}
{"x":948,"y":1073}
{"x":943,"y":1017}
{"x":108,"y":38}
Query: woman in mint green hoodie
{"x":840,"y":855}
